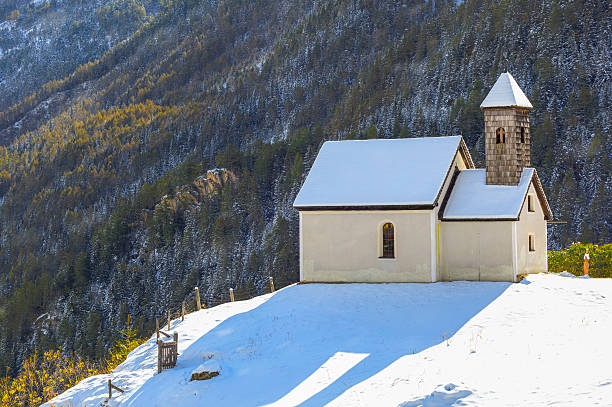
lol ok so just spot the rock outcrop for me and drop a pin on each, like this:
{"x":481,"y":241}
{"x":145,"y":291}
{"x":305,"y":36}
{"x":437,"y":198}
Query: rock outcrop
{"x":202,"y":187}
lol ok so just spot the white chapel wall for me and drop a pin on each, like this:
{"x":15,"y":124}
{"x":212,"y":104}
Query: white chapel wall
{"x":458,"y":164}
{"x":532,"y":223}
{"x":344,"y":246}
{"x":476,"y":250}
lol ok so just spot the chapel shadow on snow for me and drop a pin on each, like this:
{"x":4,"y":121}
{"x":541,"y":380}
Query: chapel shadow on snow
{"x":304,"y":326}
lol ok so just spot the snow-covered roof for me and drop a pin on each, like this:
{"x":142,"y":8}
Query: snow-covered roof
{"x":472,"y":198}
{"x":396,"y":172}
{"x":506,"y":93}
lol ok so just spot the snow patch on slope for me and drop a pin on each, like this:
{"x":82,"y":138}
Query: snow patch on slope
{"x":440,"y":344}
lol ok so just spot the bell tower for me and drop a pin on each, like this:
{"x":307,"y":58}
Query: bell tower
{"x":507,"y":136}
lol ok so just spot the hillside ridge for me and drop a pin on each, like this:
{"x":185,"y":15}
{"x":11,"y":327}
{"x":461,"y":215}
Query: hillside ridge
{"x":254,"y":87}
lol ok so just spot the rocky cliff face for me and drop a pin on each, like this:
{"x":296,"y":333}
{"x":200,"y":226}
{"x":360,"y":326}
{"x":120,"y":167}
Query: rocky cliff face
{"x":189,"y":196}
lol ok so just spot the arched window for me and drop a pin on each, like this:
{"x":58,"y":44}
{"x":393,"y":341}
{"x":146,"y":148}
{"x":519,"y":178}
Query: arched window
{"x":388,"y":241}
{"x":522,"y":135}
{"x":500,"y":135}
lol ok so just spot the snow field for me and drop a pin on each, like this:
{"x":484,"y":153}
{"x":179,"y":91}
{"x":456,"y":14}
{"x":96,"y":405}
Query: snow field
{"x":540,"y":342}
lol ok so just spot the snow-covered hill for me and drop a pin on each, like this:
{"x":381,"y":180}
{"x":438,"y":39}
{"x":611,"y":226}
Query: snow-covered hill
{"x":543,"y":341}
{"x":169,"y":89}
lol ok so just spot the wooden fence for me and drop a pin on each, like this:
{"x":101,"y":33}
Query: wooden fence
{"x":111,"y":386}
{"x":167,"y":353}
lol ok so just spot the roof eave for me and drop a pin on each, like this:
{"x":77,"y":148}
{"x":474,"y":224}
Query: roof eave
{"x":476,"y":219}
{"x":465,"y":153}
{"x":548,"y":215}
{"x":363,"y":207}
{"x":505,"y":107}
{"x":467,"y":158}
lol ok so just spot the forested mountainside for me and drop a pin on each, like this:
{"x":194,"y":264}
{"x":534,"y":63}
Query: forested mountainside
{"x":171,"y":160}
{"x":43,"y":41}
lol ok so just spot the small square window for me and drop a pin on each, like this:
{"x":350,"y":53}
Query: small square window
{"x":530,"y":206}
{"x":531,"y":243}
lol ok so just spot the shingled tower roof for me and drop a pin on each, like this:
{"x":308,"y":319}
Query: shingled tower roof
{"x":506,"y":93}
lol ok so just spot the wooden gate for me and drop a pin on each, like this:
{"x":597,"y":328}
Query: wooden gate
{"x":167,"y":352}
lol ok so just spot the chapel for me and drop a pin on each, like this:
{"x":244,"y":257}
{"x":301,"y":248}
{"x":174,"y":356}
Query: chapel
{"x":416,"y":209}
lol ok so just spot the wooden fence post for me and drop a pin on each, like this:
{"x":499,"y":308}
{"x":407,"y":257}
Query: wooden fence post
{"x":110,"y":389}
{"x":175,"y":337}
{"x":159,"y":356}
{"x":183,"y":311}
{"x":271,"y":284}
{"x":168,"y":320}
{"x":197,"y":295}
{"x":157,"y":327}
{"x":231,"y":294}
